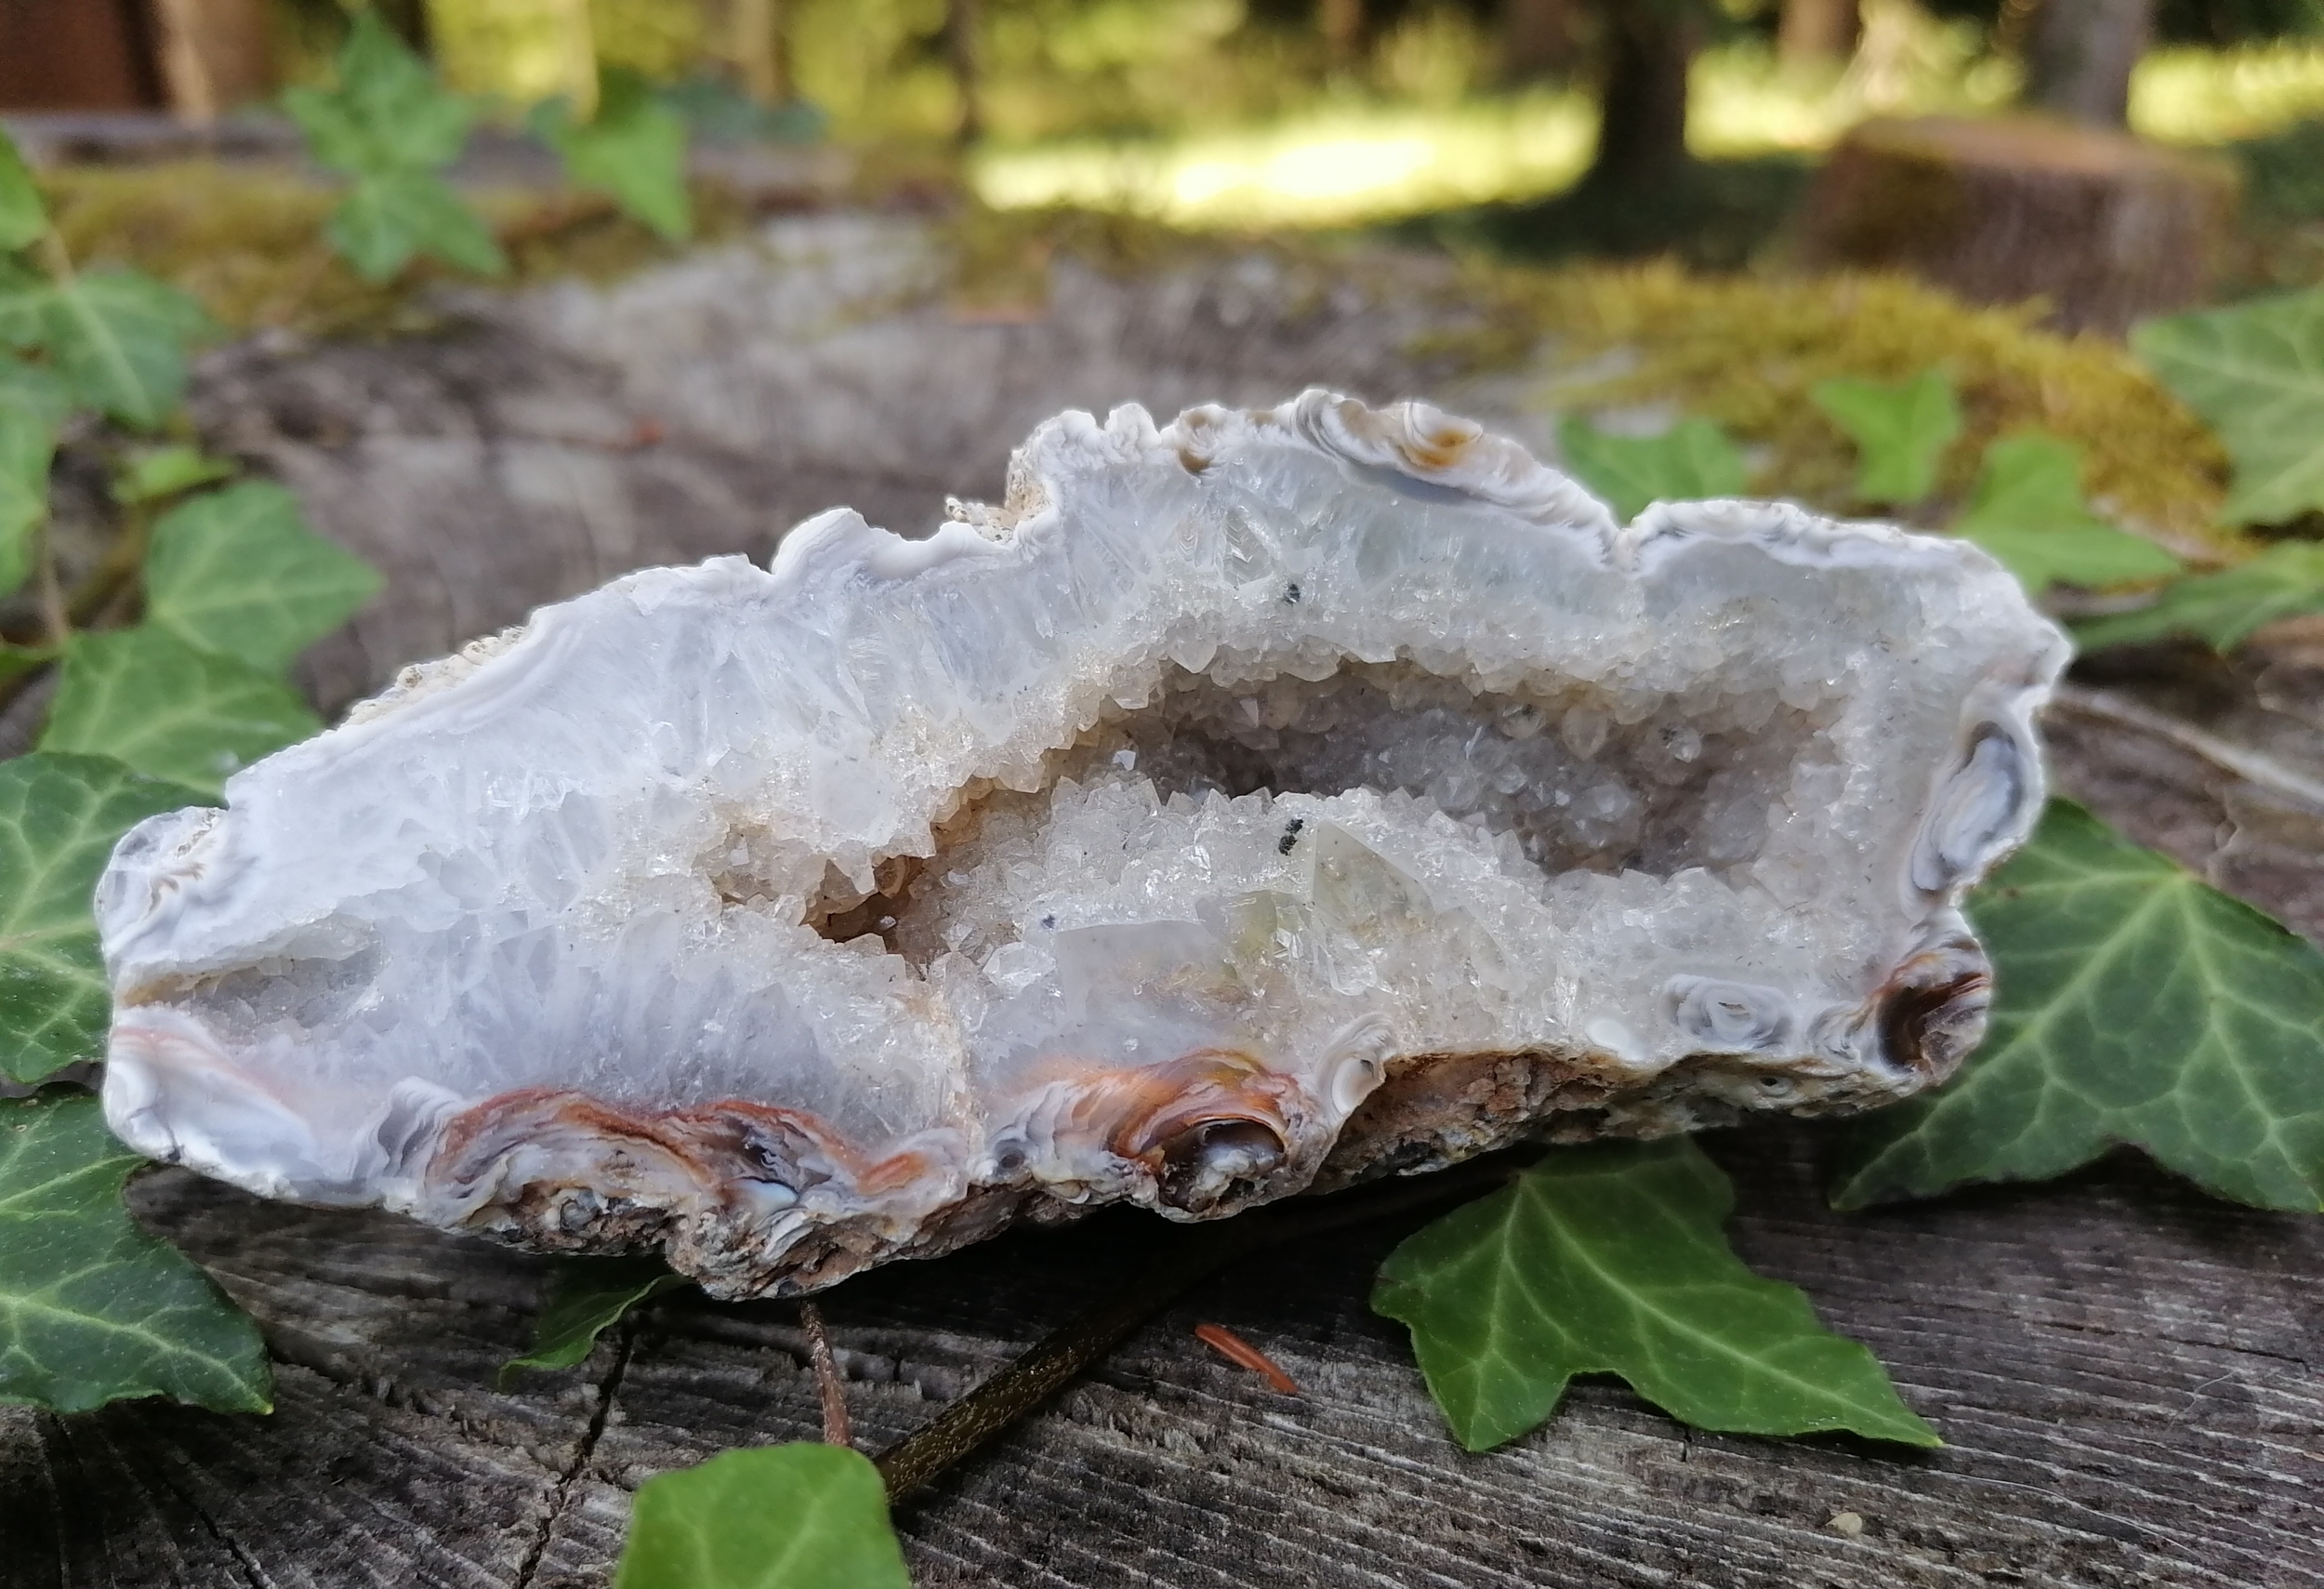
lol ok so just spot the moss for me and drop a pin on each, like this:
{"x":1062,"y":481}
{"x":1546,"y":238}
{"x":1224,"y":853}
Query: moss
{"x":1745,"y":351}
{"x":1000,"y":258}
{"x":248,"y":243}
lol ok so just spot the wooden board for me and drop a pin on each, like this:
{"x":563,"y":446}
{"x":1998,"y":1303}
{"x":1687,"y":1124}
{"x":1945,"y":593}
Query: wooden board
{"x":2124,"y":1371}
{"x":2130,"y":1376}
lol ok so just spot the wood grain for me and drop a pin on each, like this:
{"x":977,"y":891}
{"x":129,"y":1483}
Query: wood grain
{"x":2123,"y":1370}
{"x":2130,"y":1377}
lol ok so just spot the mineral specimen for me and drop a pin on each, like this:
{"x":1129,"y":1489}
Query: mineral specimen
{"x":1273,"y":800}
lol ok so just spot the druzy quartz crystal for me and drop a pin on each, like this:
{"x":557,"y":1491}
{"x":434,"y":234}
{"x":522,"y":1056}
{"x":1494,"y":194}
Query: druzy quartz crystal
{"x":1269,"y":801}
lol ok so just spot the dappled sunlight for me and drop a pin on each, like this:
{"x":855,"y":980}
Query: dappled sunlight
{"x":1349,"y":165}
{"x":1358,"y":164}
{"x":2201,"y":96}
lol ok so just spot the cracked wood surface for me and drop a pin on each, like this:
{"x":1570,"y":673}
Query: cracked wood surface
{"x":2124,"y":1372}
{"x":2127,"y":1374}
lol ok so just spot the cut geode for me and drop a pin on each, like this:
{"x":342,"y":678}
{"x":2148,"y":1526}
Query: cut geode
{"x":1273,"y":800}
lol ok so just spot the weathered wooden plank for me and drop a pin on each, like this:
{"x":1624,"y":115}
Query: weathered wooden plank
{"x":386,"y":1460}
{"x":2123,"y":1370}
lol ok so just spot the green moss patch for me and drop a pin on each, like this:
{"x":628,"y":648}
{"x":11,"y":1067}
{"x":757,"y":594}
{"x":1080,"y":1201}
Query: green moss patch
{"x":1746,"y":350}
{"x":249,"y":242}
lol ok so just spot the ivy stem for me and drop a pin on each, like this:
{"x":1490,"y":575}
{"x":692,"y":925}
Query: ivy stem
{"x":1190,"y":1253}
{"x":114,"y":575}
{"x":54,"y":256}
{"x":54,"y":622}
{"x":94,"y":597}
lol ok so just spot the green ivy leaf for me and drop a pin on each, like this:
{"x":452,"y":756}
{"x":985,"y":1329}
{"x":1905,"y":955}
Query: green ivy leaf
{"x":34,"y":389}
{"x":1610,"y":1259}
{"x":1901,"y":431}
{"x":116,"y":338}
{"x":167,"y":471}
{"x":60,"y":819}
{"x":585,"y":1296}
{"x":27,"y":444}
{"x":2027,"y":511}
{"x":2256,"y":373}
{"x":92,"y":1309}
{"x":237,"y":572}
{"x":390,"y":124}
{"x":1692,"y":460}
{"x":2134,"y":1003}
{"x":634,"y":149}
{"x":799,"y":1517}
{"x":388,"y":113}
{"x":23,"y":218}
{"x":143,"y":696}
{"x":2282,"y":582}
{"x":388,"y":218}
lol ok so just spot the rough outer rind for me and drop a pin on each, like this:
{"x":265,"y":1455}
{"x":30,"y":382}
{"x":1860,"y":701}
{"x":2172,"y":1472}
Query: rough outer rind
{"x":463,"y":956}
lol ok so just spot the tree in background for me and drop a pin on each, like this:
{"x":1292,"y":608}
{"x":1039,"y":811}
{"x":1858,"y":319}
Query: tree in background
{"x":2080,"y":55}
{"x":1811,"y":33}
{"x":1648,"y":48}
{"x":1543,"y":38}
{"x":2063,"y":205}
{"x":961,"y":55}
{"x":748,"y":40}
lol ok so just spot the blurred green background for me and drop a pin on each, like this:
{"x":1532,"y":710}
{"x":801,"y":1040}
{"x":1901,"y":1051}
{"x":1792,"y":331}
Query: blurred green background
{"x":1267,"y":112}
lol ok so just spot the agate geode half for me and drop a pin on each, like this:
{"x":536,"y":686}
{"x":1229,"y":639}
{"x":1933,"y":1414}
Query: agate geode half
{"x":1272,"y":799}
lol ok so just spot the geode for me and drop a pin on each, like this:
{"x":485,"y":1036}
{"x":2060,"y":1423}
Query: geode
{"x":1269,"y":800}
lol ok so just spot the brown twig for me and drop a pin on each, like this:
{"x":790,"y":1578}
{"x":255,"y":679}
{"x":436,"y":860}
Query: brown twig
{"x":113,"y":578}
{"x":836,"y":1429}
{"x":1243,"y":1354}
{"x":1193,"y":1252}
{"x":2254,"y":767}
{"x":55,"y":258}
{"x":54,"y":622}
{"x":115,"y":573}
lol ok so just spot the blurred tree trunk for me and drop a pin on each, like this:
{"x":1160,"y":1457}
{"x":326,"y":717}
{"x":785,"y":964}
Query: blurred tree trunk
{"x":2108,"y":228}
{"x":1649,"y":46}
{"x":2078,"y":55}
{"x":747,"y":41}
{"x":1541,"y":39}
{"x":960,"y":21}
{"x":213,"y":55}
{"x":76,"y":55}
{"x":1816,"y":32}
{"x":408,"y":18}
{"x":1342,"y":22}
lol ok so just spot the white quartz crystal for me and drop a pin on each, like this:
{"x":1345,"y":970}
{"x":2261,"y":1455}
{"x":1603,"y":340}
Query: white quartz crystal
{"x":1313,"y":792}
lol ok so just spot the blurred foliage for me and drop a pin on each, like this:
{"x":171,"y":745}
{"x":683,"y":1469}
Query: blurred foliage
{"x":1747,"y":353}
{"x":2223,"y":22}
{"x":2027,"y":509}
{"x":1316,"y":152}
{"x":1692,"y":460}
{"x":1116,"y":69}
{"x":2283,"y":175}
{"x":2218,"y":23}
{"x":633,"y":150}
{"x":1240,"y":113}
{"x":249,"y":246}
{"x":2280,"y":243}
{"x":388,"y":123}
